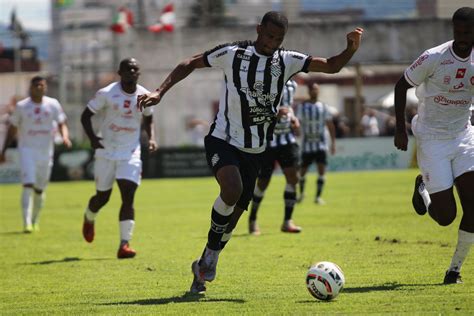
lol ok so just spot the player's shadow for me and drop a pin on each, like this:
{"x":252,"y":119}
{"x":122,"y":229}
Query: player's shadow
{"x":186,"y":298}
{"x":64,"y":260}
{"x":383,"y":287}
{"x":15,"y":233}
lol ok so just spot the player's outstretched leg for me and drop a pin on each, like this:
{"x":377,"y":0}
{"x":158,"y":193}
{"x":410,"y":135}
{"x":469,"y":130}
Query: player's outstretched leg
{"x":26,"y":206}
{"x":38,"y":201}
{"x":256,"y":200}
{"x":96,"y":202}
{"x":421,"y":197}
{"x":290,"y":199}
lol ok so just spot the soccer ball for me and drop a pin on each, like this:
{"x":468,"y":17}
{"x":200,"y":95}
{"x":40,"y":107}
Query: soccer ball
{"x":325,"y":280}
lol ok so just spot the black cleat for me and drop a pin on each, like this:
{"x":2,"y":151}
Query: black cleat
{"x":417,"y":200}
{"x":199,"y":285}
{"x":452,"y":277}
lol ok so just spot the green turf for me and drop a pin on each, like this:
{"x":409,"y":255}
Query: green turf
{"x":393,"y":260}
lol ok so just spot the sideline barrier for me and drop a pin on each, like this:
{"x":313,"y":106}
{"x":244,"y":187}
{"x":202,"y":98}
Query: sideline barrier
{"x":373,"y":153}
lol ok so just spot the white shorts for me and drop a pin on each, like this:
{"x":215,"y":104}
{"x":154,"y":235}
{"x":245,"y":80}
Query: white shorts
{"x":442,"y":161}
{"x":106,"y":171}
{"x":35,"y":167}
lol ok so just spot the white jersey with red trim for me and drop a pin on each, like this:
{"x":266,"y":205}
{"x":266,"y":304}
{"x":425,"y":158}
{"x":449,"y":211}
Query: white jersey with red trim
{"x":445,"y":86}
{"x":121,"y":121}
{"x":36,"y":123}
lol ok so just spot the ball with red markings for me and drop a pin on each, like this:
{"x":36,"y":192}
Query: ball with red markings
{"x":325,"y":280}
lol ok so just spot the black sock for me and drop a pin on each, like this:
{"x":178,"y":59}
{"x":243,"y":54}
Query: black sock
{"x":302,"y":183}
{"x":218,"y":226}
{"x":290,"y":200}
{"x":255,"y":205}
{"x":320,"y":185}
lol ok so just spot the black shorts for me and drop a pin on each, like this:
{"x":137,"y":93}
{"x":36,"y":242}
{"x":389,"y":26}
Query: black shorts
{"x":219,"y":154}
{"x":320,"y":157}
{"x":286,"y":156}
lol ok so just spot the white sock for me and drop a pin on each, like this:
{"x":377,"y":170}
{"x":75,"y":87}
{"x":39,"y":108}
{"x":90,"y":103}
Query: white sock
{"x":38,"y":200}
{"x":90,"y":216}
{"x":26,"y":204}
{"x":465,"y":240}
{"x":257,"y":192}
{"x":226,"y":237}
{"x":290,"y":188}
{"x":425,"y":195}
{"x":222,"y":208}
{"x":126,"y":229}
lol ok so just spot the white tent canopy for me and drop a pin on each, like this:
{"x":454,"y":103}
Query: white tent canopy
{"x":388,"y":100}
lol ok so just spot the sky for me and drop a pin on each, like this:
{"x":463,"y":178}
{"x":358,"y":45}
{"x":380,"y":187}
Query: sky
{"x":33,"y":14}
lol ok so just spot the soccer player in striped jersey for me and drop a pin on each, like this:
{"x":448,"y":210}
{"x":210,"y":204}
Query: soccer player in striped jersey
{"x":35,"y":120}
{"x":444,"y":81}
{"x":117,"y":151}
{"x":283,"y":149}
{"x":254,"y":75}
{"x":315,"y":117}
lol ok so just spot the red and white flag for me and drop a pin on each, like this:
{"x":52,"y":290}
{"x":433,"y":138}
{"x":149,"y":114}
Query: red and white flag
{"x":166,"y":21}
{"x":123,"y":19}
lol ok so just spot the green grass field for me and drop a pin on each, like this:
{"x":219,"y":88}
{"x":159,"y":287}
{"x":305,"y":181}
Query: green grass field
{"x":393,"y":260}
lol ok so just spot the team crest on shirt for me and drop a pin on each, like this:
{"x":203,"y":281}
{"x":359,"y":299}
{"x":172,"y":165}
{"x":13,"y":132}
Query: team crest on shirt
{"x":460,"y":73}
{"x":275,"y":68}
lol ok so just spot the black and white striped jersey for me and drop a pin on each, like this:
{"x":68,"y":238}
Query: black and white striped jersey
{"x":282,"y":133}
{"x":313,"y":118}
{"x":251,"y":93}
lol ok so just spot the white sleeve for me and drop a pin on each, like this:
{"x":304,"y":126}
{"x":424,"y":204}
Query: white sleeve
{"x":328,"y":115}
{"x":98,"y":102}
{"x":60,"y":115}
{"x":295,"y":62}
{"x":218,"y":56}
{"x":420,"y":69}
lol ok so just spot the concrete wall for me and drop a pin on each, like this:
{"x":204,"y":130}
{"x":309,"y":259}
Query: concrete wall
{"x":383,"y":42}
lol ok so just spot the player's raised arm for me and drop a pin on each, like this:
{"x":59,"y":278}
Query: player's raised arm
{"x":334,"y":64}
{"x":179,"y":73}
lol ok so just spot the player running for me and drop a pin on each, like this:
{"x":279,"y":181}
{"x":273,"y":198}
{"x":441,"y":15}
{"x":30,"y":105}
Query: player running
{"x":315,"y":117}
{"x":283,"y":149}
{"x":117,"y":151}
{"x":444,"y":81}
{"x":255,"y":73}
{"x":36,"y":119}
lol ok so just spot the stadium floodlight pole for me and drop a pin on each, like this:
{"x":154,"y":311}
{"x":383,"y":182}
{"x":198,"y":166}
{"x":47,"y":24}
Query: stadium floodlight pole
{"x":17,"y":63}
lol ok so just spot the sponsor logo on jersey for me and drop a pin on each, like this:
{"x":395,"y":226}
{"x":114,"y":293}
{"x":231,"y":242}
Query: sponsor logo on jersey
{"x":418,"y":62}
{"x":243,"y":56}
{"x":447,"y":80}
{"x":459,"y":86}
{"x":460,"y":73}
{"x":297,"y":56}
{"x":447,"y":62}
{"x":221,"y":54}
{"x":37,"y":110}
{"x":257,"y":92}
{"x":441,"y":99}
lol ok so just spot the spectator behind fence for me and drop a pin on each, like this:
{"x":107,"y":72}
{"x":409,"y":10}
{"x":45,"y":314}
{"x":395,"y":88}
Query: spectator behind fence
{"x":369,"y":124}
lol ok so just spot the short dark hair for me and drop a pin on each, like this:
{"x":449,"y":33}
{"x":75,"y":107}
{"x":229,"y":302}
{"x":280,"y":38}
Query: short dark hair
{"x":464,"y":14}
{"x":276,"y":18}
{"x":36,"y":79}
{"x":124,"y":63}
